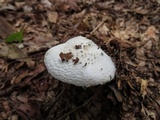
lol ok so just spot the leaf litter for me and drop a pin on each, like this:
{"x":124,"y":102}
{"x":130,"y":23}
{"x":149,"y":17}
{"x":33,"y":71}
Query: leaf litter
{"x":127,"y":30}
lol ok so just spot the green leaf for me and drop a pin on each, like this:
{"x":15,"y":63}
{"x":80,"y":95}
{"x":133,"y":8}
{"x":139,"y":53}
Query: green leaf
{"x":15,"y":37}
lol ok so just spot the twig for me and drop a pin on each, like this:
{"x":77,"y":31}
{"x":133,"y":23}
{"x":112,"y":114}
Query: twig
{"x":101,"y":23}
{"x":75,"y":109}
{"x":47,"y":107}
{"x":9,"y":90}
{"x":97,"y":27}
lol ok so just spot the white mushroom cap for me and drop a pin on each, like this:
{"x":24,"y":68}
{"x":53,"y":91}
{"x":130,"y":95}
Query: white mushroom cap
{"x":80,"y":62}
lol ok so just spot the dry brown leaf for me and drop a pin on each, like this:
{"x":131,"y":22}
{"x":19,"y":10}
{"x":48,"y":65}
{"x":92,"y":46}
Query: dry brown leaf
{"x":140,"y":53}
{"x":30,"y":63}
{"x":6,"y":106}
{"x":23,"y":98}
{"x":19,"y":4}
{"x":6,"y":29}
{"x":80,"y":14}
{"x":27,"y":9}
{"x":7,"y":7}
{"x":39,"y":97}
{"x":46,"y":3}
{"x":117,"y":93}
{"x":74,"y":5}
{"x":52,"y":16}
{"x":14,"y":117}
{"x":103,"y":30}
{"x":148,"y":114}
{"x":144,"y":85}
{"x":158,"y":1}
{"x":121,"y":34}
{"x":25,"y":107}
{"x":11,"y":51}
{"x":18,"y":79}
{"x":140,"y":10}
{"x":151,"y":32}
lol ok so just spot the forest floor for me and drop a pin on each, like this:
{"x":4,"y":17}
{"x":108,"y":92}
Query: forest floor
{"x":127,"y":30}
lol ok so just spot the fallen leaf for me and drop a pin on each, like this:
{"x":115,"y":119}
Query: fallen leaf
{"x":25,"y":108}
{"x":19,"y":4}
{"x":7,"y":7}
{"x":23,"y":98}
{"x":11,"y":51}
{"x":46,"y":3}
{"x":158,"y":1}
{"x":151,"y":32}
{"x":18,"y":79}
{"x":39,"y":97}
{"x":52,"y":16}
{"x":117,"y":93}
{"x":6,"y":106}
{"x":144,"y":84}
{"x":5,"y":29}
{"x":74,"y":4}
{"x":103,"y":30}
{"x":148,"y":114}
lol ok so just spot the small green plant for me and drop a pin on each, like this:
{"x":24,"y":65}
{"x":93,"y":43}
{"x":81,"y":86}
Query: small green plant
{"x":15,"y":37}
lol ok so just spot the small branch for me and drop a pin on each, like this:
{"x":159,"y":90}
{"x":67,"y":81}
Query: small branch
{"x":99,"y":25}
{"x":75,"y":109}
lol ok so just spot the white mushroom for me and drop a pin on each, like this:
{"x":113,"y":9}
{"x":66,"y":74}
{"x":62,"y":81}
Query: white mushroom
{"x":80,"y":62}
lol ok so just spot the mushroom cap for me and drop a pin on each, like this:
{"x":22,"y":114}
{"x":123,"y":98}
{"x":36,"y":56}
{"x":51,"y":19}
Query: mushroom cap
{"x":80,"y":62}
